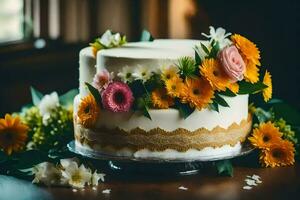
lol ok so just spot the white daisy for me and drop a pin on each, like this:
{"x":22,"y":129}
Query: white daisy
{"x":48,"y":103}
{"x":47,"y":174}
{"x":219,"y":35}
{"x":96,"y":177}
{"x":75,"y":176}
{"x":142,"y":73}
{"x":202,"y":54}
{"x":110,"y":40}
{"x":126,"y":74}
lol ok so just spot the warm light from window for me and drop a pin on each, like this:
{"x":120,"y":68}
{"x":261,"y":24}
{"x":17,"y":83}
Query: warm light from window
{"x":11,"y":20}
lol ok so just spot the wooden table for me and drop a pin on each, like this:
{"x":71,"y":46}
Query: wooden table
{"x":278,"y":183}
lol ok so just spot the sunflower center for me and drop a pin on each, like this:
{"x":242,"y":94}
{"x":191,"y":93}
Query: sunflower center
{"x":168,"y":76}
{"x":143,"y":73}
{"x":196,"y":91}
{"x":8,"y":136}
{"x":128,"y":75}
{"x":277,"y":153}
{"x":119,"y":97}
{"x":87,"y":109}
{"x":76,"y":177}
{"x":266,"y":138}
{"x":173,"y":87}
{"x":215,"y":73}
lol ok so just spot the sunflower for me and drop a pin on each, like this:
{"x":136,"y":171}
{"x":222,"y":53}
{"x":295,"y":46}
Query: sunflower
{"x":211,"y":69}
{"x":247,"y":48}
{"x":169,"y":72}
{"x":174,"y":86}
{"x":252,"y":72}
{"x":265,"y":135}
{"x":234,"y":87}
{"x":88,"y":111}
{"x":13,"y":134}
{"x":267,"y":92}
{"x":198,"y":92}
{"x":161,"y":99}
{"x":278,"y":154}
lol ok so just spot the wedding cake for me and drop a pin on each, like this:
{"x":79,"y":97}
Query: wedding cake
{"x":166,"y":98}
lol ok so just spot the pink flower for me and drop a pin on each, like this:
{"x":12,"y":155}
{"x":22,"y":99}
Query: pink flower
{"x":117,"y":97}
{"x":233,"y":63}
{"x":102,"y":79}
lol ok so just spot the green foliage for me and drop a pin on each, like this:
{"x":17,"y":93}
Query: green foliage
{"x":142,"y":104}
{"x":224,"y":167}
{"x":94,"y":92}
{"x":36,"y":96}
{"x":184,"y":109}
{"x":220,"y":100}
{"x":214,"y":106}
{"x":146,"y":36}
{"x":215,"y":48}
{"x":286,"y":129}
{"x":250,"y":88}
{"x":187,"y":66}
{"x":227,"y":93}
{"x":67,"y":98}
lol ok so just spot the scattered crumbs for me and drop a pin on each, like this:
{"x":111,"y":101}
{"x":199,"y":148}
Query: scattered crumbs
{"x":247,"y":187}
{"x":182,"y":188}
{"x":258,"y":181}
{"x":250,"y":182}
{"x":107,"y":191}
{"x":74,"y":190}
{"x":256,"y":177}
{"x":94,"y":188}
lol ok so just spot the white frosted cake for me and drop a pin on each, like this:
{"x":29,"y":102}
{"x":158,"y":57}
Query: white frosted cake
{"x":150,"y":120}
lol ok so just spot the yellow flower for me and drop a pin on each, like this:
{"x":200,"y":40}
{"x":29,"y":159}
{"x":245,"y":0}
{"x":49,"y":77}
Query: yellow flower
{"x":198,"y":93}
{"x":278,"y":154}
{"x":13,"y":134}
{"x":265,"y":135}
{"x":252,"y":72}
{"x":247,"y":48}
{"x":267,"y":92}
{"x":211,"y":69}
{"x":88,"y":111}
{"x":174,"y":86}
{"x":234,"y":87}
{"x":169,"y":72}
{"x":161,"y":99}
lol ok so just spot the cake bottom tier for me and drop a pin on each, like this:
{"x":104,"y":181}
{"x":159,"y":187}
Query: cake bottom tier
{"x":158,"y":143}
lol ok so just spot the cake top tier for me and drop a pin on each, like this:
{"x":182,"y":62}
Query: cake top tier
{"x":158,"y":49}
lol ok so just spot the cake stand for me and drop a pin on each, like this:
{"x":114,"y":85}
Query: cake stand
{"x":152,"y":166}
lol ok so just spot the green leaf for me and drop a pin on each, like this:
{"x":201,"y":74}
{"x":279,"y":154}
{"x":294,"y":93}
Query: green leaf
{"x":262,"y":115}
{"x":214,"y":106}
{"x":214,"y":50}
{"x":187,"y":66}
{"x":250,"y":88}
{"x":67,"y":98}
{"x":220,"y":100}
{"x":142,"y":104}
{"x":146,"y":113}
{"x":227,"y":93}
{"x":3,"y":157}
{"x":197,"y":58}
{"x":146,"y":36}
{"x":204,"y":48}
{"x":94,"y":92}
{"x":224,"y":167}
{"x":184,"y":109}
{"x":36,"y":96}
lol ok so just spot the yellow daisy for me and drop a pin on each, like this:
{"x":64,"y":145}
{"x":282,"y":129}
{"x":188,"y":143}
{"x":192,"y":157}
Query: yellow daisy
{"x":13,"y":134}
{"x":252,"y":72}
{"x":160,"y":99}
{"x":88,"y":111}
{"x":198,"y":93}
{"x":247,"y":48}
{"x":211,"y":69}
{"x":267,"y":92}
{"x":169,"y":72}
{"x":174,"y":86}
{"x":265,"y":135}
{"x":278,"y":154}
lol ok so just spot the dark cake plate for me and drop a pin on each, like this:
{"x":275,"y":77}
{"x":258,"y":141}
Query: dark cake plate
{"x":130,"y":164}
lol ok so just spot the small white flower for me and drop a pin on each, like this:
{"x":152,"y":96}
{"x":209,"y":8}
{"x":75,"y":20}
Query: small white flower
{"x":110,"y":40}
{"x":96,"y":177}
{"x":48,"y":103}
{"x":67,"y":161}
{"x":202,"y":54}
{"x":126,"y":74}
{"x":107,"y":191}
{"x":219,"y":35}
{"x":182,"y":188}
{"x":142,"y":73}
{"x":75,"y":176}
{"x":47,"y":174}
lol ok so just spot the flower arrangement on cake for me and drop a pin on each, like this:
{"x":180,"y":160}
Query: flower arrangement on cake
{"x":33,"y":142}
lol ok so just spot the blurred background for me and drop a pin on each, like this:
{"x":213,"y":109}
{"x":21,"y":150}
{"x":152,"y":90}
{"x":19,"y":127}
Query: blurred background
{"x":40,"y":39}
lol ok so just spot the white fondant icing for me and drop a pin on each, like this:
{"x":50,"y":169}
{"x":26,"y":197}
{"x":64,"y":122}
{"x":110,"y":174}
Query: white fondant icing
{"x":87,"y":68}
{"x":207,"y":153}
{"x":170,"y":119}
